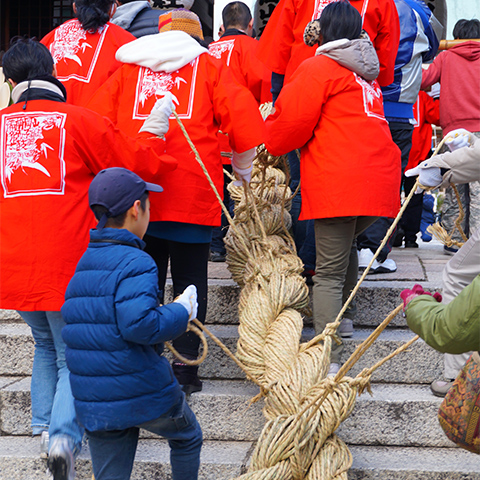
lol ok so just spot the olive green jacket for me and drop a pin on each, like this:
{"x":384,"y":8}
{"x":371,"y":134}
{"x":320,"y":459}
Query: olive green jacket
{"x":448,"y":328}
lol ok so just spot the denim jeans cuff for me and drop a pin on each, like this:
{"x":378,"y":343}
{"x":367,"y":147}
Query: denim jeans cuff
{"x":38,"y":429}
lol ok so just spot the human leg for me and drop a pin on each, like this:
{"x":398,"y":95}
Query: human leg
{"x":333,"y":239}
{"x":113,"y":453}
{"x":157,"y":248}
{"x":412,"y":215}
{"x":184,"y":435}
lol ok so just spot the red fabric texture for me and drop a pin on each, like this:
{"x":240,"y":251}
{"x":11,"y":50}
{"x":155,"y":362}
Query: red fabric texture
{"x":349,"y":163}
{"x":208,"y":99}
{"x":85,"y":60}
{"x":282,"y":47}
{"x":54,"y":151}
{"x":239,"y":52}
{"x":426,"y":112}
{"x":458,"y":71}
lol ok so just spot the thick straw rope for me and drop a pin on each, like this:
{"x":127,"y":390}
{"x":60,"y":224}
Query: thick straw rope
{"x":303,"y":406}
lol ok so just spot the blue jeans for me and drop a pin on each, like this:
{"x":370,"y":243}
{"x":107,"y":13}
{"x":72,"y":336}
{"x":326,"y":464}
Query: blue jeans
{"x":52,"y":399}
{"x":113,"y":452}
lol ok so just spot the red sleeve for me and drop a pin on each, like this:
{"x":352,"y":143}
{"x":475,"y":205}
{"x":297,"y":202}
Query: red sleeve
{"x":277,"y":38}
{"x":297,"y":109}
{"x":386,"y":41}
{"x":432,"y":74}
{"x":431,"y":109}
{"x":236,"y":111}
{"x":107,"y":146}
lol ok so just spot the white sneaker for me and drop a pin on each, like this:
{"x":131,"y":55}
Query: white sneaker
{"x":44,"y":444}
{"x":60,"y":459}
{"x":365,"y":256}
{"x":388,"y":266}
{"x":333,"y":370}
{"x":345,"y":328}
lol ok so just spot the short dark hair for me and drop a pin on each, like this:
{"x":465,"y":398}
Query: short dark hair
{"x":466,"y":29}
{"x":236,"y":14}
{"x":26,"y":59}
{"x":340,"y":20}
{"x":119,"y":220}
{"x":93,"y":14}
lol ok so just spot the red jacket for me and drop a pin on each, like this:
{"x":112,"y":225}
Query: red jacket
{"x":458,"y":71}
{"x":85,"y":60}
{"x":207,"y":99}
{"x":426,"y":111}
{"x":239,"y":52}
{"x":49,"y":155}
{"x":282,"y":47}
{"x":349,"y":165}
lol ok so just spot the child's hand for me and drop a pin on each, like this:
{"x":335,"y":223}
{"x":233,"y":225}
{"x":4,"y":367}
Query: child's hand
{"x":188,"y":299}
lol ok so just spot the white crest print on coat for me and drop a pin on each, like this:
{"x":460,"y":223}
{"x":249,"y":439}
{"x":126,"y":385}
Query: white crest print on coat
{"x":70,"y":42}
{"x":31,"y":159}
{"x":372,"y":97}
{"x":157,"y":84}
{"x":218,"y":49}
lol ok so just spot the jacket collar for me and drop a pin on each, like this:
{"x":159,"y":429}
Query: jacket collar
{"x":39,"y":89}
{"x":116,"y":236}
{"x":233,"y":31}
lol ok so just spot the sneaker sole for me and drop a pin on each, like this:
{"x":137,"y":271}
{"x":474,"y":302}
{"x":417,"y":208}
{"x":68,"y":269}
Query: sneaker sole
{"x":58,"y":468}
{"x":346,"y":335}
{"x":189,"y":389}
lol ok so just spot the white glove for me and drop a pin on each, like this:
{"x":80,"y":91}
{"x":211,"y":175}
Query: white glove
{"x":243,"y":175}
{"x":458,"y":138}
{"x":157,"y":122}
{"x":242,"y":165}
{"x":428,"y":177}
{"x":188,"y":299}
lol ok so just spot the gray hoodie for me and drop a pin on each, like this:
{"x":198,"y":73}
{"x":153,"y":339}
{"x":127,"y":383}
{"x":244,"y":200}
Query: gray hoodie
{"x":138,"y":18}
{"x":357,"y":55}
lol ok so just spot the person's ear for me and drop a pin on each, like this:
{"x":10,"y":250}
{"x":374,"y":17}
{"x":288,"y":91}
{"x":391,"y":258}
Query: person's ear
{"x":74,"y":8}
{"x":113,"y":9}
{"x":136,"y":208}
{"x":54,"y":71}
{"x":12,"y":83}
{"x":250,"y":27}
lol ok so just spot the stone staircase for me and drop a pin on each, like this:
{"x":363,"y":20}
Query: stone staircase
{"x":393,"y":434}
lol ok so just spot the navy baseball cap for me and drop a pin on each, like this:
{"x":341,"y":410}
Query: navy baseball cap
{"x":117,"y":189}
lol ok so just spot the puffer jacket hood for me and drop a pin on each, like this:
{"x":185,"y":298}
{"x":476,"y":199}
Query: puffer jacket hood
{"x":468,"y":50}
{"x":163,"y":52}
{"x":126,"y":14}
{"x":357,"y":55}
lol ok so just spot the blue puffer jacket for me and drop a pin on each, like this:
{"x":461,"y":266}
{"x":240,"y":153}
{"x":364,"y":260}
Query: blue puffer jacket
{"x":419,"y":39}
{"x":113,"y":324}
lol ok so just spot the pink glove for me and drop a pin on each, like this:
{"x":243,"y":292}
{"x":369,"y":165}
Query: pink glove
{"x":408,"y":295}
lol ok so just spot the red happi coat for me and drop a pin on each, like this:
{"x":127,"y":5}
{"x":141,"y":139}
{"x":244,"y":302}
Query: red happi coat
{"x":239,"y":52}
{"x":49,"y":155}
{"x":349,"y":165}
{"x":85,"y":60}
{"x":282,"y":47}
{"x":426,"y":111}
{"x":207,"y":99}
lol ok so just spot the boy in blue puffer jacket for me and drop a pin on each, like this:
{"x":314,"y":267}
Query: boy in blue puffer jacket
{"x":115,"y":329}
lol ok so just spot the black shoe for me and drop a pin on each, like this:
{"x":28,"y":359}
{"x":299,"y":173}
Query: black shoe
{"x":217,"y":257}
{"x":187,"y":376}
{"x":411,"y":244}
{"x":398,"y":239}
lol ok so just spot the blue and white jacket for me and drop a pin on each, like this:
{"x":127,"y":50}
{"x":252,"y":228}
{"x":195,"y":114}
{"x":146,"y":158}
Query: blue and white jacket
{"x":419,"y":39}
{"x":114,"y":328}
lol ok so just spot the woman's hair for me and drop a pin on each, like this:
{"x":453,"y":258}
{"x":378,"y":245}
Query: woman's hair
{"x":466,"y":29}
{"x":340,"y":20}
{"x":93,"y":14}
{"x":26,"y":59}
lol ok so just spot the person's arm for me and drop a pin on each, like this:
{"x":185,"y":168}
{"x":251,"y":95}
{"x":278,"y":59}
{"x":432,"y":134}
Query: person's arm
{"x":431,"y":75}
{"x":140,"y":319}
{"x":386,"y":42}
{"x":453,"y":328}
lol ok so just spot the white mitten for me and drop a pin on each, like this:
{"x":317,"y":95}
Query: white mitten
{"x":458,"y":138}
{"x":243,"y":175}
{"x":428,"y":177}
{"x":188,"y":299}
{"x":158,"y":120}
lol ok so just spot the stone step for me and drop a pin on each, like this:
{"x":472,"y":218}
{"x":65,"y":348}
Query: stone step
{"x":396,"y":415}
{"x":420,"y":364}
{"x":374,"y":303}
{"x":19,"y":460}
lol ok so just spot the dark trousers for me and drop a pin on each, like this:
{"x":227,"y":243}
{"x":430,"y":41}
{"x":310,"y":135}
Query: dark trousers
{"x":373,"y":236}
{"x":189,"y":266}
